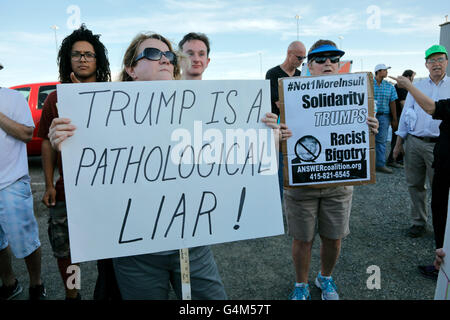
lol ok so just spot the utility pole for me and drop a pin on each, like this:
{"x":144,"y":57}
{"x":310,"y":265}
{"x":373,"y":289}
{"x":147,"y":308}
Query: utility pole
{"x":297,"y":17}
{"x":55,"y":27}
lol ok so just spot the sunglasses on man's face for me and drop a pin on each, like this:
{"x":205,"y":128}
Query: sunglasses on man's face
{"x":156,"y":55}
{"x":323,"y":59}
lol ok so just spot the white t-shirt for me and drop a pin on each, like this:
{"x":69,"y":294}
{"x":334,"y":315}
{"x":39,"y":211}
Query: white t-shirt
{"x":13,"y":152}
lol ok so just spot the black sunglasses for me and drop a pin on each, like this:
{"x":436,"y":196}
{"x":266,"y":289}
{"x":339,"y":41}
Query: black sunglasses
{"x":300,"y":58}
{"x":156,"y":55}
{"x":323,"y":59}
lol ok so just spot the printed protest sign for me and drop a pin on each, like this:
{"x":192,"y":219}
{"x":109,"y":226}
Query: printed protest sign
{"x":165,"y":165}
{"x":331,"y":144}
{"x":443,"y":282}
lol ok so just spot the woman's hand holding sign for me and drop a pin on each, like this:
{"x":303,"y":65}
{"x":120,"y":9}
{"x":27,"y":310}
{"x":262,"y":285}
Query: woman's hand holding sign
{"x":61,"y":129}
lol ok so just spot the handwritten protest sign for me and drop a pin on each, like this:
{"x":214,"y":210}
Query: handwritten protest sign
{"x":165,"y":165}
{"x":331,"y":144}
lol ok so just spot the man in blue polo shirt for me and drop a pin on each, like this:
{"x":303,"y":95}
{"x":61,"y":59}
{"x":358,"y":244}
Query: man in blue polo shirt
{"x":385,"y":96}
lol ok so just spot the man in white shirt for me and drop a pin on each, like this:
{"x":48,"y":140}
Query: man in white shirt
{"x":418,"y":132}
{"x":18,"y":227}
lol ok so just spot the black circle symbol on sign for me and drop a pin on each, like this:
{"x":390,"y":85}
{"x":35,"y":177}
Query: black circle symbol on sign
{"x":308,"y":148}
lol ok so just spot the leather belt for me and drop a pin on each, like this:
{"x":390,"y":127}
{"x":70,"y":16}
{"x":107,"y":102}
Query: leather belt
{"x":427,"y":139}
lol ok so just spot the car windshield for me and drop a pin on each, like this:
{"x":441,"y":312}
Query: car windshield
{"x":44,"y":91}
{"x":25,"y":91}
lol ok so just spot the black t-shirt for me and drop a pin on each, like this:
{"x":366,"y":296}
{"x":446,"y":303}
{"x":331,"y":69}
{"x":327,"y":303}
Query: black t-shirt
{"x":273,"y":75}
{"x":442,"y":148}
{"x":401,"y":93}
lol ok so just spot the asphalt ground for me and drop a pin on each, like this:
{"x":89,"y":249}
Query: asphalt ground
{"x":262,"y":269}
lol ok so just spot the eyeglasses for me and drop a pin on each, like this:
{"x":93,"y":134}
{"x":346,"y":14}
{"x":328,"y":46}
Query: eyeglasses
{"x":89,"y":56}
{"x":156,"y":55}
{"x":323,"y":59}
{"x":300,"y":58}
{"x":440,"y":60}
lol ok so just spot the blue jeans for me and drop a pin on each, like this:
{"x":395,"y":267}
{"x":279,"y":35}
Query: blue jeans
{"x":18,"y":225}
{"x":381,"y":138}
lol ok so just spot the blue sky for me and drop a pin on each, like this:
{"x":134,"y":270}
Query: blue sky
{"x":247,"y":36}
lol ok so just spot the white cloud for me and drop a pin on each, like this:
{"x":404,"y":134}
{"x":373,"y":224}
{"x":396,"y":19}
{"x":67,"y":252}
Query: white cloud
{"x":233,"y":55}
{"x":30,"y":38}
{"x":380,"y":53}
{"x":210,"y":17}
{"x":195,"y":5}
{"x":340,"y":23}
{"x":417,"y":27}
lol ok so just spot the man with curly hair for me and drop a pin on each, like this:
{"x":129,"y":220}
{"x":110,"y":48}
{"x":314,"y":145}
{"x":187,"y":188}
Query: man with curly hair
{"x":81,"y":58}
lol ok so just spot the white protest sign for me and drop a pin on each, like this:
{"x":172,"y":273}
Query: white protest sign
{"x":331,"y":144}
{"x":443,"y":282}
{"x":164,"y":165}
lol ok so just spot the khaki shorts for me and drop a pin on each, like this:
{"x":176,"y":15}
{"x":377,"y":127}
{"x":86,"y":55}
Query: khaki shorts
{"x":329,"y":208}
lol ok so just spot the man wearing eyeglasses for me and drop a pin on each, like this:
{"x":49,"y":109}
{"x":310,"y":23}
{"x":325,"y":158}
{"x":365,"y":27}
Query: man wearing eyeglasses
{"x":196,"y":47}
{"x":417,"y":135}
{"x":81,"y":58}
{"x":441,"y":184}
{"x":296,"y":54}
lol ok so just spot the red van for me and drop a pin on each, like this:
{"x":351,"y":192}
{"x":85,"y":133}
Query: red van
{"x":35,"y":94}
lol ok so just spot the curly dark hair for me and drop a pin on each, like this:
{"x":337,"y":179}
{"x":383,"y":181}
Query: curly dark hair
{"x":64,"y":55}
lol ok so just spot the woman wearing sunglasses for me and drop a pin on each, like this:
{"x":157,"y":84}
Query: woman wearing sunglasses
{"x":330,"y":206}
{"x":150,"y":57}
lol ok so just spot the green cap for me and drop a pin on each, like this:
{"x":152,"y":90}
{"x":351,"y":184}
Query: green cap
{"x":435,"y":49}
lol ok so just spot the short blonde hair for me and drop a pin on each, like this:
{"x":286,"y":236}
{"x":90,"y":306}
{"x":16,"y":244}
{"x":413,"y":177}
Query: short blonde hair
{"x":131,"y":53}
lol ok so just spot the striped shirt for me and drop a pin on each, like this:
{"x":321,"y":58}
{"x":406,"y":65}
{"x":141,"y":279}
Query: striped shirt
{"x":383,"y":95}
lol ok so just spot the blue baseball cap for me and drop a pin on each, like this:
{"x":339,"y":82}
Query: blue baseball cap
{"x":326,"y":48}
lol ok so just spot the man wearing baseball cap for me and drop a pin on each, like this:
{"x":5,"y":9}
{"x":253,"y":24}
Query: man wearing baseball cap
{"x":417,"y":135}
{"x":385,"y":96}
{"x":441,"y":183}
